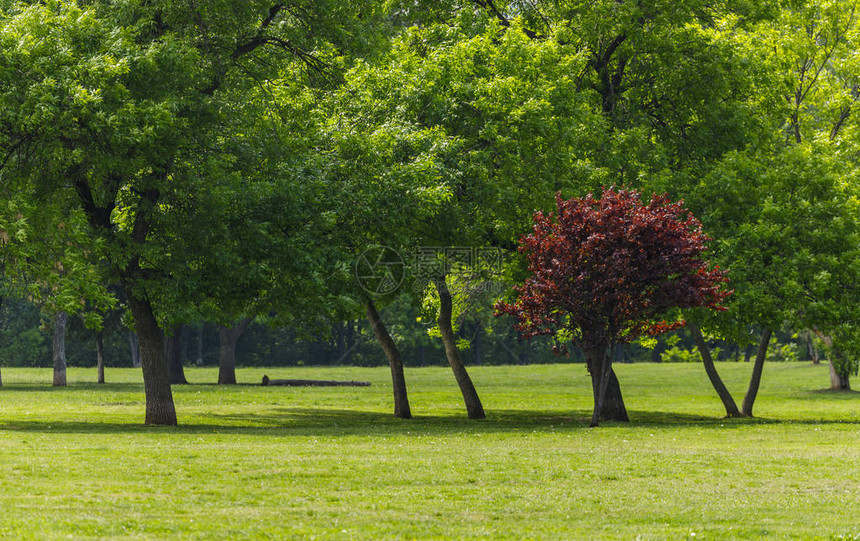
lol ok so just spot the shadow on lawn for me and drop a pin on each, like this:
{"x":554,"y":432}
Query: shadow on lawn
{"x":340,"y":422}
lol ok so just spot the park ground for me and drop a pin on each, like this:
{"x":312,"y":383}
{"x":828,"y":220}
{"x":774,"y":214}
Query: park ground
{"x":259,"y":462}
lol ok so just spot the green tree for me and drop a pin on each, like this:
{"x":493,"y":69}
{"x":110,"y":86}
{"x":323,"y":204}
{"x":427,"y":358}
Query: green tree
{"x":120,"y":106}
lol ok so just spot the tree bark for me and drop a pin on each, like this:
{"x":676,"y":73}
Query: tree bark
{"x":174,"y":357}
{"x":755,"y":380}
{"x":228,"y":337}
{"x":59,"y":348}
{"x":612,"y":407}
{"x":711,"y":370}
{"x":134,"y":349}
{"x":838,"y":382}
{"x":395,"y":362}
{"x":474,"y":408}
{"x":100,"y":356}
{"x":156,"y":378}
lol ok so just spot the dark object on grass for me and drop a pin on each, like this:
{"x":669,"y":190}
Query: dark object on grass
{"x":313,"y":383}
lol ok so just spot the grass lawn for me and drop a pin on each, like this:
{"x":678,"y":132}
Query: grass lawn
{"x":274,"y":462}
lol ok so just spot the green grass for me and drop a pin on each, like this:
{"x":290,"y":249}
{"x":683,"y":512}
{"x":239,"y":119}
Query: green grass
{"x":273,"y":462}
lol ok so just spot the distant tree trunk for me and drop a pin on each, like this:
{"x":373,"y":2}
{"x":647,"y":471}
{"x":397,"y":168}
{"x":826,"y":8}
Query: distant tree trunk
{"x":156,"y":378}
{"x":350,"y":341}
{"x":59,"y":348}
{"x":755,"y":380}
{"x":199,"y":360}
{"x":711,"y":370}
{"x":748,"y":353}
{"x":174,"y":356}
{"x":474,"y":408}
{"x":611,"y":407}
{"x":134,"y":348}
{"x":100,"y":356}
{"x":229,"y":336}
{"x":478,"y":344}
{"x":810,"y":348}
{"x":395,"y":362}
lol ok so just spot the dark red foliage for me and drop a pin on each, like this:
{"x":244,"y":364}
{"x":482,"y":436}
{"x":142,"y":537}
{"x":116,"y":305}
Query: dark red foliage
{"x":609,"y":270}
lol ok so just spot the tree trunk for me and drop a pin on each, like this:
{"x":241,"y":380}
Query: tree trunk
{"x":100,"y":356}
{"x":711,"y":370}
{"x":350,"y":342}
{"x":156,"y":378}
{"x":395,"y":362}
{"x":838,"y":382}
{"x":174,"y":357}
{"x":59,"y":348}
{"x":229,"y":336}
{"x":134,"y":348}
{"x":478,"y":345}
{"x":199,"y":360}
{"x":810,"y":348}
{"x":612,"y":407}
{"x":474,"y":408}
{"x":755,"y":380}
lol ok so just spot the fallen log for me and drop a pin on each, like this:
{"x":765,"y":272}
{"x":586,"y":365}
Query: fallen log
{"x":312,"y":383}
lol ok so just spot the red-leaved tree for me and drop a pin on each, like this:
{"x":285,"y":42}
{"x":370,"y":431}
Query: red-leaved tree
{"x":607,"y":271}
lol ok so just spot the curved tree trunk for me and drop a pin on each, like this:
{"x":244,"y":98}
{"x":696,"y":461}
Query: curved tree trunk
{"x":395,"y":362}
{"x":474,"y":408}
{"x":711,"y":370}
{"x":100,"y":356}
{"x":59,"y":348}
{"x":755,"y":380}
{"x":611,"y":407}
{"x":156,"y":379}
{"x":229,"y":336}
{"x":173,"y":352}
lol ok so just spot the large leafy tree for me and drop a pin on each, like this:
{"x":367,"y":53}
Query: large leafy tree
{"x":121,"y":106}
{"x":607,"y":271}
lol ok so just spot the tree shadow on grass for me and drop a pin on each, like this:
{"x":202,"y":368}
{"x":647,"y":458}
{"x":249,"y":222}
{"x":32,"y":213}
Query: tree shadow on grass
{"x":341,"y":423}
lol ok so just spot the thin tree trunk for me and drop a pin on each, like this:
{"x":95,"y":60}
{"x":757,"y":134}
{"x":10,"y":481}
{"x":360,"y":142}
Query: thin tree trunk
{"x":395,"y":362}
{"x":810,"y":348}
{"x":350,"y":341}
{"x":156,"y":378}
{"x":474,"y":408}
{"x":229,"y":336}
{"x":134,"y":348}
{"x":478,"y":345}
{"x":100,"y":356}
{"x":711,"y":370}
{"x":755,"y":380}
{"x":174,"y":357}
{"x":199,"y":360}
{"x":59,"y":348}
